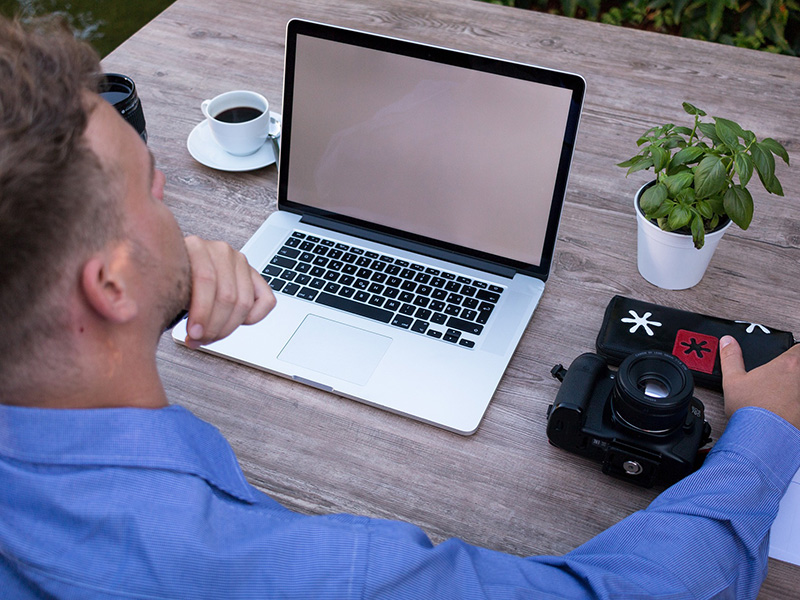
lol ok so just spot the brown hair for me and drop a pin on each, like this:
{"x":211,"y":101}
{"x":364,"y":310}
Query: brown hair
{"x":57,"y":204}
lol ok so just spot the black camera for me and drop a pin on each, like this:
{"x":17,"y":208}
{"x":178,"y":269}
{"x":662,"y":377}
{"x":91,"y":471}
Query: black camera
{"x":120,"y":91}
{"x":641,"y":422}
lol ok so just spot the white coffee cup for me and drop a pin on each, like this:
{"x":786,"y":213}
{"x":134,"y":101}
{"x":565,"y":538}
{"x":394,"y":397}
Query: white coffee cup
{"x":239,"y":121}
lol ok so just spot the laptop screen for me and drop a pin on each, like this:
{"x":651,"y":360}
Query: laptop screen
{"x":456,"y":150}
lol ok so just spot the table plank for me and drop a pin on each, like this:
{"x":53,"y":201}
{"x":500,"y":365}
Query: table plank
{"x":504,"y":487}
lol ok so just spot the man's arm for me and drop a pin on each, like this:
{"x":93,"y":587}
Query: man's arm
{"x":226,"y":292}
{"x":708,"y":534}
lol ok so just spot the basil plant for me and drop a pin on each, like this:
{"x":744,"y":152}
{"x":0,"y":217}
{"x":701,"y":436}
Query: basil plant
{"x":702,"y":173}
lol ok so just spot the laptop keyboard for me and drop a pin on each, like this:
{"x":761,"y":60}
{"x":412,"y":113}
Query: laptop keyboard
{"x":405,"y":294}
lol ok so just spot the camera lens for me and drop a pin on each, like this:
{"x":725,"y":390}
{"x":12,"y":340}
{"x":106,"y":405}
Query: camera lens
{"x":652,"y":392}
{"x":120,"y":91}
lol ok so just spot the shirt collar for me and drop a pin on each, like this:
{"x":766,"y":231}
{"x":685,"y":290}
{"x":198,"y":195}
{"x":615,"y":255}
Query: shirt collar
{"x":169,"y":438}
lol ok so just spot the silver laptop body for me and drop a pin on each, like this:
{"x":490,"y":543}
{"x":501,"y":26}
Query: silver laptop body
{"x":419,"y":195}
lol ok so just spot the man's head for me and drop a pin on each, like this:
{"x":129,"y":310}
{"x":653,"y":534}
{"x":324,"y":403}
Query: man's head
{"x":85,"y":240}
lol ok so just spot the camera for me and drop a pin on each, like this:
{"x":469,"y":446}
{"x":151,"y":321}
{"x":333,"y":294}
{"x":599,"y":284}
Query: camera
{"x":641,"y":422}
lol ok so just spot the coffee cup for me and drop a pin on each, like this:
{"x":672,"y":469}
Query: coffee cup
{"x":239,"y":121}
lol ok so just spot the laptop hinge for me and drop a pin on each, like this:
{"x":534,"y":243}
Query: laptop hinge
{"x":410,"y":245}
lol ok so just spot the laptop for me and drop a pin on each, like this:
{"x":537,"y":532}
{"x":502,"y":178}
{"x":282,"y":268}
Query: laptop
{"x":419,"y":196}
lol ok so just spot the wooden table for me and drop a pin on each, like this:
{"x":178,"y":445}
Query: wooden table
{"x":504,"y":487}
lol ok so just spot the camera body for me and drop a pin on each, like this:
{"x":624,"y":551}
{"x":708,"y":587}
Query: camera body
{"x":641,"y":422}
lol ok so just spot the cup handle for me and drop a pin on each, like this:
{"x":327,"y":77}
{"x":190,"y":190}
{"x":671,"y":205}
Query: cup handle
{"x":204,"y":108}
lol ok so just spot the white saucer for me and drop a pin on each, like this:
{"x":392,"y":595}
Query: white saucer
{"x":205,"y":150}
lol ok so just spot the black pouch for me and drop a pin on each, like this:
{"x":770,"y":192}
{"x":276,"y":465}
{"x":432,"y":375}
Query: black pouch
{"x":632,"y":325}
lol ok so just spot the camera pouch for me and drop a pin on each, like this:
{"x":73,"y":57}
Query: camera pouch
{"x":633,"y":325}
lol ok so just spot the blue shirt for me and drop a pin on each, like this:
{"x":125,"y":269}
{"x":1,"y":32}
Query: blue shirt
{"x":137,"y":503}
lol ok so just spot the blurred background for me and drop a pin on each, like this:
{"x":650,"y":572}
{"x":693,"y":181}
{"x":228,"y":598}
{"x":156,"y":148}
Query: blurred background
{"x":103,"y":23}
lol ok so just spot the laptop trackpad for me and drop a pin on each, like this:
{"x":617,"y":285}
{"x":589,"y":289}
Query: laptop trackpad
{"x":335,"y":349}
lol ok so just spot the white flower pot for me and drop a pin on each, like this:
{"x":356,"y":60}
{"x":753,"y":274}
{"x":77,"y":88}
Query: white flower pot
{"x":669,"y":260}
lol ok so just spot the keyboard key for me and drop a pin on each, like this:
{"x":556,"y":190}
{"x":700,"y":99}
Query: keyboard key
{"x":492,"y":297}
{"x":391,"y":292}
{"x":377,"y":300}
{"x":302,"y":279}
{"x":313,"y":238}
{"x":422,"y":278}
{"x":317,"y":283}
{"x":392,"y":270}
{"x":347,"y":292}
{"x":394,"y":281}
{"x":349,"y":257}
{"x":452,"y":286}
{"x":392,"y":305}
{"x":387,"y":259}
{"x":370,"y":254}
{"x":343,"y":247}
{"x":357,"y":308}
{"x":293,"y":242}
{"x":408,"y":286}
{"x":332,"y":288}
{"x":401,"y":263}
{"x":439,"y":318}
{"x":462,"y":325}
{"x":290,"y":289}
{"x":421,"y":301}
{"x":289,"y":252}
{"x":435,"y":334}
{"x":451,"y":335}
{"x":320,"y":250}
{"x":423,"y":313}
{"x":406,"y":297}
{"x":307,"y":245}
{"x":330,"y":276}
{"x":437,"y":306}
{"x":320,"y":261}
{"x":375,"y":288}
{"x":462,"y":279}
{"x":316,"y":272}
{"x":298,"y":234}
{"x":326,"y":243}
{"x":452,"y":309}
{"x":402,"y":321}
{"x":407,"y":273}
{"x":378,"y":277}
{"x":466,"y":343}
{"x":361,"y":284}
{"x":363,"y":261}
{"x":407,"y":309}
{"x":470,"y":303}
{"x":468,"y":290}
{"x":303,"y":267}
{"x":361,"y":296}
{"x":364,"y":273}
{"x":416,"y":267}
{"x":334,"y":254}
{"x":307,"y":293}
{"x":468,"y":314}
{"x":282,"y":261}
{"x":496,"y":289}
{"x":437,"y":282}
{"x":424,"y":290}
{"x":479,"y":284}
{"x":273,"y":270}
{"x":420,"y":326}
{"x":432,"y":271}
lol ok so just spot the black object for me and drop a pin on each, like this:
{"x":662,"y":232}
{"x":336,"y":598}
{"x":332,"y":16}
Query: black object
{"x":642,"y":422}
{"x":120,"y":91}
{"x":630,"y":326}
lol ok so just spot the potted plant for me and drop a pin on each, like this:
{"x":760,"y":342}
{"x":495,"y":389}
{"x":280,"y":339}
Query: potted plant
{"x":700,"y":187}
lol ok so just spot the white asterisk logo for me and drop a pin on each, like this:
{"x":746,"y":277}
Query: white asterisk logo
{"x":752,"y":327}
{"x":641,"y":322}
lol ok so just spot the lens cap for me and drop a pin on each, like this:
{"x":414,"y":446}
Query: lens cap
{"x":652,"y":392}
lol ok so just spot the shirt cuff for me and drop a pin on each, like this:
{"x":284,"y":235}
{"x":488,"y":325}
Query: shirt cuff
{"x":766,"y":439}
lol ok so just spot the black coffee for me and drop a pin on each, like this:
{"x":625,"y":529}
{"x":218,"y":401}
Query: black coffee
{"x":239,"y":114}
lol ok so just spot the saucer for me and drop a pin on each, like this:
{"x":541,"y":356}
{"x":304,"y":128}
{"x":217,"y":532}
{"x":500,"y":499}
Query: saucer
{"x":205,"y":150}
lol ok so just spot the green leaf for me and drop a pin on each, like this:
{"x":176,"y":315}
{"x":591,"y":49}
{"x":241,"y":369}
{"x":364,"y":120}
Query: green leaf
{"x":726,"y":133}
{"x":773,"y":186}
{"x":739,"y":205}
{"x":744,"y":167}
{"x":683,"y":130}
{"x":675,"y":183}
{"x":776,"y":148}
{"x":705,"y":209}
{"x":709,"y":177}
{"x":679,"y":217}
{"x":644,"y":162}
{"x":686,"y":155}
{"x":660,"y":157}
{"x":698,"y":232}
{"x":628,"y":163}
{"x":653,"y":197}
{"x":710,"y":132}
{"x":764,"y":162}
{"x":662,"y":211}
{"x":693,"y":110}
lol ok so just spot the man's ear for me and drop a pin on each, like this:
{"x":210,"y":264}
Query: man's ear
{"x":104,"y":280}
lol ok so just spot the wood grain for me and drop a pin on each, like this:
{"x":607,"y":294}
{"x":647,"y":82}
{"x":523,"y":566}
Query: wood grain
{"x":504,"y":487}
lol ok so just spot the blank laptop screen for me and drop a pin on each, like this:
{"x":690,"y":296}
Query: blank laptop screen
{"x":449,"y":153}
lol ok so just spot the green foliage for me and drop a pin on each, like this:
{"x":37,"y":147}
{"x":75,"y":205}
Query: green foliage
{"x":771,"y":25}
{"x":702,"y":173}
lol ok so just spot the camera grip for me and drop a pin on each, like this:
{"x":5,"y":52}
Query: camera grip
{"x":565,"y":417}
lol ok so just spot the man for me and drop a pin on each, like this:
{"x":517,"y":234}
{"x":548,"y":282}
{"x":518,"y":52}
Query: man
{"x":107,"y":491}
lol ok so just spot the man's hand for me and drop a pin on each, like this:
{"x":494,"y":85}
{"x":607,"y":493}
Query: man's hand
{"x":226,"y":292}
{"x":774,"y":386}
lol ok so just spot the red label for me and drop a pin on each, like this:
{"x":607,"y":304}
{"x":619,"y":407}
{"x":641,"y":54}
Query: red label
{"x":697,"y":350}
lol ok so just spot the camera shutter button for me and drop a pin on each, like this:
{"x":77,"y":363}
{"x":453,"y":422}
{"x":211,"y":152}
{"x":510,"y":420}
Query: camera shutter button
{"x":632,"y":467}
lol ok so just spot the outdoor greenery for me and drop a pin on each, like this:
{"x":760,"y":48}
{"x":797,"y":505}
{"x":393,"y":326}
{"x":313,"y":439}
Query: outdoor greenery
{"x":771,"y":25}
{"x":697,"y":170}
